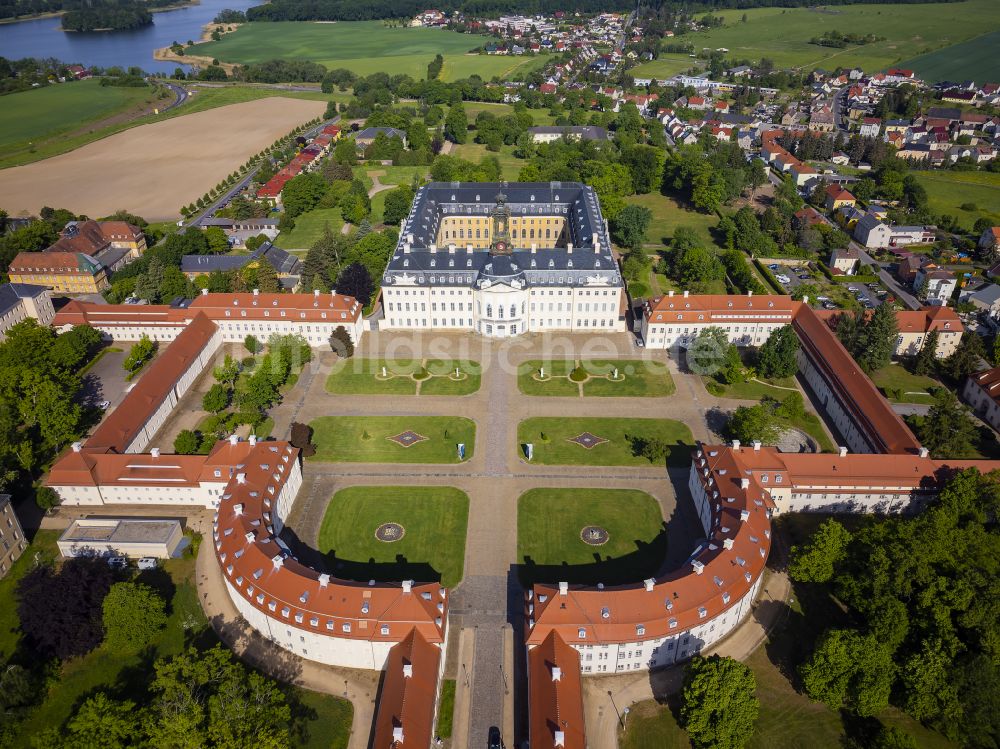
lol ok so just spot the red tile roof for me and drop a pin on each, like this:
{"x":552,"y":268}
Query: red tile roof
{"x":555,"y":695}
{"x":405,"y":716}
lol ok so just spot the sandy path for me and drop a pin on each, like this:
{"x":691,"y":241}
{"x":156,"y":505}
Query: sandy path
{"x":153,"y":170}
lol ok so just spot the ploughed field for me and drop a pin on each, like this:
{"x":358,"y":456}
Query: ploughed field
{"x":153,"y":170}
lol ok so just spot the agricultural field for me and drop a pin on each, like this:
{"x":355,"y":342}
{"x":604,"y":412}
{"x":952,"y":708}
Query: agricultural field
{"x":783,"y":34}
{"x":158,"y":167}
{"x":550,"y":546}
{"x":975,"y":59}
{"x":364,"y":47}
{"x":948,"y":191}
{"x":29,"y":118}
{"x":434,"y":520}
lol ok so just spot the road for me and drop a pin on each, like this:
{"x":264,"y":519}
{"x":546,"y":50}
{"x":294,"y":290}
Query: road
{"x":180,"y":94}
{"x":240,"y":186}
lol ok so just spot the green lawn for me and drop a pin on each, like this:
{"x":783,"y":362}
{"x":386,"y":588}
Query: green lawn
{"x":975,"y":59}
{"x":550,"y":547}
{"x":783,"y":34}
{"x":329,"y":725}
{"x":364,"y":47}
{"x":901,"y":386}
{"x":399,"y":175}
{"x":510,"y":165}
{"x":664,"y":66}
{"x":947,"y":190}
{"x":668,"y":214}
{"x":205,"y":98}
{"x":637,"y":377}
{"x":550,"y":437}
{"x":357,"y":376}
{"x":432,"y":548}
{"x":309,"y":228}
{"x":364,"y":439}
{"x":36,"y":115}
{"x":446,"y":710}
{"x":753,"y":390}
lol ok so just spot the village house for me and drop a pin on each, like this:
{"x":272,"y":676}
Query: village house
{"x":837,"y":196}
{"x":844,"y":260}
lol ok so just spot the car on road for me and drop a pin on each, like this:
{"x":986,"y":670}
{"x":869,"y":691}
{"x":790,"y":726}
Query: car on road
{"x":117,"y":563}
{"x":103,"y":405}
{"x":493,"y":740}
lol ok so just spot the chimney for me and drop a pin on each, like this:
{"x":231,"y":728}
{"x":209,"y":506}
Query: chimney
{"x":409,"y":237}
{"x":727,"y":543}
{"x":77,"y":447}
{"x":233,"y":439}
{"x":534,"y":247}
{"x":744,"y":483}
{"x":686,"y":293}
{"x":406,"y":248}
{"x":805,"y":300}
{"x":253,"y":440}
{"x":556,"y":673}
{"x":670,"y":293}
{"x":756,"y":446}
{"x":432,"y":248}
{"x":569,"y":248}
{"x":407,"y":586}
{"x":924,"y":452}
{"x":155,"y":452}
{"x":241,"y":478}
{"x":736,"y":444}
{"x":315,"y":292}
{"x":744,"y":515}
{"x":256,"y":292}
{"x":559,"y":738}
{"x":842,"y":450}
{"x":750,"y":293}
{"x":563,"y":588}
{"x":324,"y":580}
{"x":597,"y":246}
{"x":407,"y":670}
{"x":649,"y":582}
{"x":204,"y":292}
{"x":697,"y":566}
{"x":397,"y":735}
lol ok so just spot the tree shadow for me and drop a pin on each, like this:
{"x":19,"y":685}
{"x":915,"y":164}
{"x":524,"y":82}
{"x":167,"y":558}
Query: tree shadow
{"x":159,"y":580}
{"x":359,"y":570}
{"x":716,"y":419}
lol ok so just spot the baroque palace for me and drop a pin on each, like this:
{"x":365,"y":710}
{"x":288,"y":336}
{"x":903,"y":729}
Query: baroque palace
{"x":534,"y":257}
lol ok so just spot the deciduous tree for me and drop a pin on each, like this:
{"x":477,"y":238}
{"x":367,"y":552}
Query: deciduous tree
{"x":133,"y":615}
{"x":719,"y":705}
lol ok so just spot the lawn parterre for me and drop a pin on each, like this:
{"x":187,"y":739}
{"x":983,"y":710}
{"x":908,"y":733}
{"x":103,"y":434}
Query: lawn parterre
{"x":636,"y":377}
{"x":551,"y":440}
{"x":432,"y":547}
{"x":551,"y":549}
{"x":365,"y":439}
{"x":359,"y":376}
{"x":365,"y":47}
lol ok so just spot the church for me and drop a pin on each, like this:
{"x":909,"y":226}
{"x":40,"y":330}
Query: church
{"x":503,"y":259}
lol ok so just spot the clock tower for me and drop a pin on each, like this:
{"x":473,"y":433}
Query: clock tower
{"x":500,"y":243}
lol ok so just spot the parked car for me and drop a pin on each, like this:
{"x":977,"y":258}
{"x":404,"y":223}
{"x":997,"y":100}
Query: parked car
{"x":117,"y":563}
{"x":829,"y":305}
{"x":853,"y":289}
{"x":147,"y":563}
{"x":773,"y":266}
{"x":103,"y":405}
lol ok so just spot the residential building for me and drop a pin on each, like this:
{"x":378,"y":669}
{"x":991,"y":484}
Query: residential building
{"x":936,"y":286}
{"x":844,"y":260}
{"x":870,"y":127}
{"x":114,"y":244}
{"x":502,"y":260}
{"x":982,"y":392}
{"x":914,"y":325}
{"x":872,"y":232}
{"x":238,"y":231}
{"x":837,"y":197}
{"x":287,"y":267}
{"x":570,"y":132}
{"x":366,"y":137}
{"x":19,"y":301}
{"x":989,"y":242}
{"x":986,"y":299}
{"x":12,"y":543}
{"x":408,"y":698}
{"x":67,"y":272}
{"x":555,"y":695}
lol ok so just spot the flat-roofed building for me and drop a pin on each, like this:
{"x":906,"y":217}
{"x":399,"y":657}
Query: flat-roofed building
{"x":130,"y":537}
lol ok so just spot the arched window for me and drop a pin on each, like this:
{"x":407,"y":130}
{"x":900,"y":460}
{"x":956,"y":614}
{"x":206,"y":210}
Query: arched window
{"x":532,"y":233}
{"x":548,"y":234}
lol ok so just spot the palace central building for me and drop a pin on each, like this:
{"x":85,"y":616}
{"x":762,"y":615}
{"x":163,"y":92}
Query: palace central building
{"x":504,"y":259}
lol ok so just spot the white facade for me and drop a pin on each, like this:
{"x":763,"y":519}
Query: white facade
{"x":25,"y":301}
{"x":131,"y":537}
{"x":204,"y":494}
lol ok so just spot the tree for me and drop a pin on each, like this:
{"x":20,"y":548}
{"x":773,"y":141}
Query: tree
{"x":397,"y":205}
{"x":719,"y":705}
{"x":456,"y":124}
{"x":252,"y":344}
{"x":697,"y":268}
{"x":74,"y":347}
{"x":140,"y":353}
{"x":778,"y":356}
{"x":133,"y":615}
{"x":302,"y":192}
{"x":227,"y":372}
{"x":148,"y":284}
{"x":930,"y":692}
{"x":848,"y":669}
{"x":100,"y":722}
{"x":301,"y":437}
{"x":707,"y":353}
{"x":216,"y":399}
{"x":218,"y":242}
{"x":629,"y":226}
{"x":186,"y":442}
{"x":356,"y":281}
{"x":947,"y":431}
{"x":816,"y":561}
{"x":753,"y":424}
{"x":878,"y":339}
{"x":263,"y":277}
{"x":341,"y":342}
{"x":926,"y":359}
{"x":373,"y":252}
{"x":756,"y":176}
{"x":60,"y":612}
{"x":46,"y":498}
{"x":966,"y":358}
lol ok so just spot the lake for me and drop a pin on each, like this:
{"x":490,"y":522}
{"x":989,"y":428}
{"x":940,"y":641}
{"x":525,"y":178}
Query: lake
{"x":44,"y":38}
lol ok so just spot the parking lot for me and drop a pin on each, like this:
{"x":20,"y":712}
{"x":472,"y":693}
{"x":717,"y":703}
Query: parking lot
{"x":828,"y":294}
